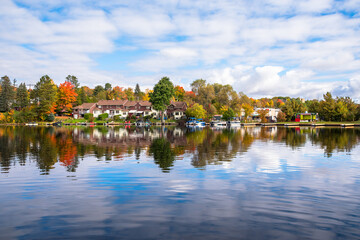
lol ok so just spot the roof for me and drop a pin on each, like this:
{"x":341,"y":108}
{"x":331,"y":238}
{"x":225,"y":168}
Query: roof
{"x":112,"y":102}
{"x":97,"y":109}
{"x":130,"y":103}
{"x":145,"y":103}
{"x":178,"y":104}
{"x":85,"y":106}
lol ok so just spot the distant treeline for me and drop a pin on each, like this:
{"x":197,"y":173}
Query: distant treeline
{"x":46,"y":99}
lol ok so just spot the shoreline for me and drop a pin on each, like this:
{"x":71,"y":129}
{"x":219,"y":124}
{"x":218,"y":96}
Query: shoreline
{"x":283,"y":124}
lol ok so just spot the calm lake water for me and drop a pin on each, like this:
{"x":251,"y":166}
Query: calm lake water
{"x":174,"y":183}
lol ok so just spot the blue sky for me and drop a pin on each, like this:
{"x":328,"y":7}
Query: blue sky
{"x":263,"y":48}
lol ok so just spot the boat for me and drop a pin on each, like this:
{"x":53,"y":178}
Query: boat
{"x":143,"y":124}
{"x":31,"y":124}
{"x":234,"y":123}
{"x":191,"y":122}
{"x":218,"y":124}
{"x":57,"y":124}
{"x":200,"y":123}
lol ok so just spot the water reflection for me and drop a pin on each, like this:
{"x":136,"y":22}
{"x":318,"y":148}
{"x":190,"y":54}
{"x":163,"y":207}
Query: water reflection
{"x":174,"y":183}
{"x":47,"y":146}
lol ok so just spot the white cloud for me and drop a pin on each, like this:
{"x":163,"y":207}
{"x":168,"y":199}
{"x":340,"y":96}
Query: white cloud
{"x":266,"y":47}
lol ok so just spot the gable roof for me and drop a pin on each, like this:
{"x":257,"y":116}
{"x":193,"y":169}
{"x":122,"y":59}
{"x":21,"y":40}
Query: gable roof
{"x":85,"y":106}
{"x":130,"y":103}
{"x":178,"y":104}
{"x":112,"y":102}
{"x":145,"y":103}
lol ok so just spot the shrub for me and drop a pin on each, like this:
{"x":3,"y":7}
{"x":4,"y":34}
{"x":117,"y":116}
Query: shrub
{"x":103,"y":116}
{"x":117,"y":118}
{"x":50,"y":117}
{"x":87,"y":116}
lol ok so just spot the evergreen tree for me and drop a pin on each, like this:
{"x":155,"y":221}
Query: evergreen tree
{"x":22,"y":96}
{"x":7,"y":94}
{"x":44,"y":95}
{"x":138,"y":94}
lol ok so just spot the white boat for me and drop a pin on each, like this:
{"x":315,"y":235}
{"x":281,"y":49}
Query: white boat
{"x":218,"y":123}
{"x":234,"y":123}
{"x":31,"y":124}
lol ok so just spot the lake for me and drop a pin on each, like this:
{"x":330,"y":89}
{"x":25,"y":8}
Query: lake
{"x":179,"y":183}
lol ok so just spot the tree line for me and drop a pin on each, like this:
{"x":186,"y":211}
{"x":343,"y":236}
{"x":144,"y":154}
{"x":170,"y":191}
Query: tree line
{"x":204,"y":100}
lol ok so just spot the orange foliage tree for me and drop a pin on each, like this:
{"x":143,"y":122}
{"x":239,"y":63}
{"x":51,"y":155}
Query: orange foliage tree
{"x":179,"y":93}
{"x":66,"y":97}
{"x":119,"y":93}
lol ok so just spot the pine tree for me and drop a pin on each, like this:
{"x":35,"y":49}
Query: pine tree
{"x":22,"y":96}
{"x":44,"y":95}
{"x":7,"y":94}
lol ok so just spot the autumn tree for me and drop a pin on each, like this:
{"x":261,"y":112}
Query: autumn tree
{"x":262,"y":114}
{"x":196,"y":111}
{"x":66,"y":97}
{"x":130,"y":94}
{"x":179,"y":93}
{"x":281,"y":117}
{"x":22,"y":96}
{"x":7,"y":94}
{"x":119,"y":93}
{"x":160,"y":97}
{"x":248,"y":109}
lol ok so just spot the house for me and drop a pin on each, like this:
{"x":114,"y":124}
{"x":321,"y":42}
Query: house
{"x":176,"y":110}
{"x":79,"y":111}
{"x":271,"y":116}
{"x":125,"y":108}
{"x":113,"y":107}
{"x":306,"y":117}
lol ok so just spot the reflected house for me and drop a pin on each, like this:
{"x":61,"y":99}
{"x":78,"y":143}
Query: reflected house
{"x":79,"y":111}
{"x":125,"y":108}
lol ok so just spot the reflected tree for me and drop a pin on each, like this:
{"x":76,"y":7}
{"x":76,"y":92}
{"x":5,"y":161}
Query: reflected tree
{"x":163,"y":155}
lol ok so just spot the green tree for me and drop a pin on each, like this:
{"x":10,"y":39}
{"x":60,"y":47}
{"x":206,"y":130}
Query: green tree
{"x":97,"y":90}
{"x":196,"y":111}
{"x":293,"y":106}
{"x":228,"y":114}
{"x":22,"y":96}
{"x":108,"y":87}
{"x":7,"y":94}
{"x":130,"y":94}
{"x":74,"y":81}
{"x":341,"y":110}
{"x":44,"y":97}
{"x":138,"y":93}
{"x":162,"y":94}
{"x":197,"y":84}
{"x":328,"y":107}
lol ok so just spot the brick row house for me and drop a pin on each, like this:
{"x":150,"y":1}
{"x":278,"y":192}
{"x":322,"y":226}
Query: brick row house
{"x":125,"y":108}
